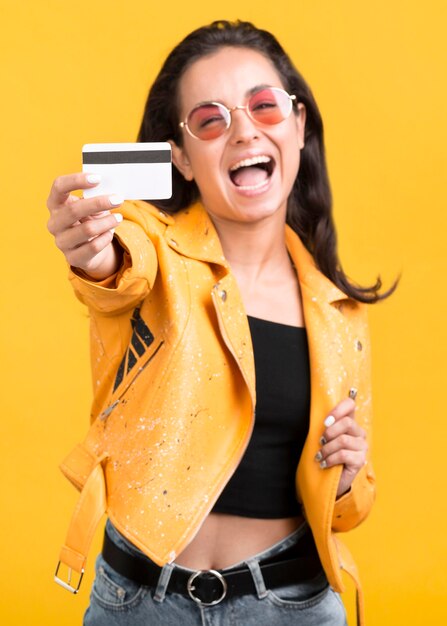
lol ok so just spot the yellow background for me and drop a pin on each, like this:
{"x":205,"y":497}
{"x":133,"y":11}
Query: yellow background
{"x":77,"y":72}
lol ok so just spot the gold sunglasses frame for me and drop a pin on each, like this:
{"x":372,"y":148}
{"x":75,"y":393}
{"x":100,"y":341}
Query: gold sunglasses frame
{"x":240,"y":107}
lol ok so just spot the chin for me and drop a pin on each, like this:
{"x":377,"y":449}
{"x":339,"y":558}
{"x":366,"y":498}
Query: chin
{"x":250,"y":214}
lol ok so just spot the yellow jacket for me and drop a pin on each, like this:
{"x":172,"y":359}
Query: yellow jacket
{"x":172,"y":417}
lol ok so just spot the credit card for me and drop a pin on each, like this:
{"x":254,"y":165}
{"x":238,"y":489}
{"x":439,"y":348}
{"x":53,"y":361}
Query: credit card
{"x":134,"y":171}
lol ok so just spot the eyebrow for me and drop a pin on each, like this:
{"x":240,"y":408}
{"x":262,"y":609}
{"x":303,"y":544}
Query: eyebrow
{"x":248,"y":93}
{"x":253,"y":90}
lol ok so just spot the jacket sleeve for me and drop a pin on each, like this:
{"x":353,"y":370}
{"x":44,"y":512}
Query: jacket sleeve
{"x":354,"y":506}
{"x":134,"y":279}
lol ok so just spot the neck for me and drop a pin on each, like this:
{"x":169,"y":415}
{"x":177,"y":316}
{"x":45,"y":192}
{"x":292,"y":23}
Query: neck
{"x":254,"y":249}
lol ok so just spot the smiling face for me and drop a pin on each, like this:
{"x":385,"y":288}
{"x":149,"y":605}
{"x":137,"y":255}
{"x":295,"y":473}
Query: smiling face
{"x":246,"y":174}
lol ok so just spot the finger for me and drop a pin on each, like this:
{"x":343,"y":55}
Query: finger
{"x":343,"y":442}
{"x":85,"y":231}
{"x":343,"y":408}
{"x":95,"y":216}
{"x":345,"y":425}
{"x":70,"y":214}
{"x":352,"y":459}
{"x":64,"y":185}
{"x":83,"y":256}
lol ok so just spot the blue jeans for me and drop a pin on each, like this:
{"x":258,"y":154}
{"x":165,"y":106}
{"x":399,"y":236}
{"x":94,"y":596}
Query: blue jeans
{"x":118,"y":601}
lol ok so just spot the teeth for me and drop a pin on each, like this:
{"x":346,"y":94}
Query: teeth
{"x":247,"y":162}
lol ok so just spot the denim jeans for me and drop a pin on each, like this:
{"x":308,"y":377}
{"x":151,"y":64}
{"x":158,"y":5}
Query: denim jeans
{"x":118,"y":601}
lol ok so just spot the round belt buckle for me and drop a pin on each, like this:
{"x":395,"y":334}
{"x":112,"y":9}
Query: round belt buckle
{"x":190,"y":586}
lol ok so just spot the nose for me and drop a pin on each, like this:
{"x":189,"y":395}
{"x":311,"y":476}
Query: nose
{"x":242,"y":128}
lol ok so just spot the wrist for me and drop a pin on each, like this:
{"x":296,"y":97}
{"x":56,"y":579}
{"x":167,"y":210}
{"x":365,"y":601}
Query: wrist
{"x":107,"y":267}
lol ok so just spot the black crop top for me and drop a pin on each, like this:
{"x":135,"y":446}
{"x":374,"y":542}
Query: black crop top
{"x":263,"y":485}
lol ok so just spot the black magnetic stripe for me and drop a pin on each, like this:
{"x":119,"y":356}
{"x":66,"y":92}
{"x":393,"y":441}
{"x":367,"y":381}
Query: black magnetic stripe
{"x":126,"y":156}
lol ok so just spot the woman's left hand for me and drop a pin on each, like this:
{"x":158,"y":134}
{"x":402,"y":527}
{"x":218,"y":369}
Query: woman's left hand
{"x":343,"y":442}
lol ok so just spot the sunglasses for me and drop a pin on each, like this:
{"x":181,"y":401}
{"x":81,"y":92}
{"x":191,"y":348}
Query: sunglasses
{"x":210,"y":120}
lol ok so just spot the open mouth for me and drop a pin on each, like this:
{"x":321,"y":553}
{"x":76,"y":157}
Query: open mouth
{"x":253,"y":172}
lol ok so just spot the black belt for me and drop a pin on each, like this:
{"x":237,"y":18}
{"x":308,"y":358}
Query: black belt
{"x":207,"y":587}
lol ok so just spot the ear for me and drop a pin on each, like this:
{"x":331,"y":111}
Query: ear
{"x":301,"y":123}
{"x":181,"y":161}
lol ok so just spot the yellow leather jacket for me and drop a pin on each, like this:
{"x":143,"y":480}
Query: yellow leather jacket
{"x":173,"y":375}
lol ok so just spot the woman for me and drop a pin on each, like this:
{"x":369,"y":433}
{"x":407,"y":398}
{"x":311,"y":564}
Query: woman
{"x":207,"y":521}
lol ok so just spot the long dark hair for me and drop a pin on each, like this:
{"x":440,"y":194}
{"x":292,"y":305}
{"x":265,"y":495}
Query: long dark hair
{"x":309,"y":210}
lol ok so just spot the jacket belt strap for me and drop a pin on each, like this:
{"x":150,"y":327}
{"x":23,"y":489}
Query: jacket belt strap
{"x":348,"y":565}
{"x":90,"y":508}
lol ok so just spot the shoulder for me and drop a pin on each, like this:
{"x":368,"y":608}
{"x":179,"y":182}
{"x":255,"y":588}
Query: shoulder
{"x":145,"y":214}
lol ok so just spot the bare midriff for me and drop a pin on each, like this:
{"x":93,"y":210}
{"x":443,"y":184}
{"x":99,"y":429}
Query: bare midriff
{"x":224,"y":540}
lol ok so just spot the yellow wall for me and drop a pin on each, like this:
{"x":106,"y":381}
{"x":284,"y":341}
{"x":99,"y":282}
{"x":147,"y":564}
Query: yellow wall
{"x":76,"y":72}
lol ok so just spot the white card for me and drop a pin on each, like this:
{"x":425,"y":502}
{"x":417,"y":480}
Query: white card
{"x":134,"y":171}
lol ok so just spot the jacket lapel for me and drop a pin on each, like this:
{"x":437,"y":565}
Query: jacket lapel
{"x":194,"y":236}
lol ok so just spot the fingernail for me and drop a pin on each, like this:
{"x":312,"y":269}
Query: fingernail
{"x":112,"y":230}
{"x":329,"y":421}
{"x":116,"y":200}
{"x":323,"y":441}
{"x":93,"y":178}
{"x":323,"y":464}
{"x":118,"y":217}
{"x":318,"y":456}
{"x":353,"y":393}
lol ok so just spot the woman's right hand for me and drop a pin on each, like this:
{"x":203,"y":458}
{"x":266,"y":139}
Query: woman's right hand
{"x":83,"y":229}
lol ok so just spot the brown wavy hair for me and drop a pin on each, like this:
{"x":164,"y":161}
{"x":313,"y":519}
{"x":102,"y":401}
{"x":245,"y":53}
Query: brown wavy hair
{"x":309,"y":210}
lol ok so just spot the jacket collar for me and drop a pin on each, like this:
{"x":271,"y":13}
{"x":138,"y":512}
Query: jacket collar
{"x":192,"y":234}
{"x":316,"y":283}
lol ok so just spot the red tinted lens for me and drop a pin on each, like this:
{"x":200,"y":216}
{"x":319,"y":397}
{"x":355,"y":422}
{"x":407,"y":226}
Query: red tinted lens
{"x":208,"y":121}
{"x":270,"y":106}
